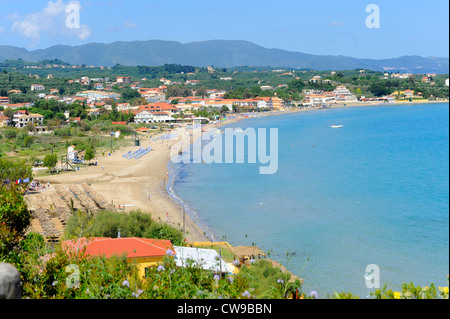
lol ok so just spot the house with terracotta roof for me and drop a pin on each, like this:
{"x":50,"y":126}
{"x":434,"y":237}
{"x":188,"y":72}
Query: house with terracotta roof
{"x":4,"y":100}
{"x":409,"y":93}
{"x":98,"y":86}
{"x":123,"y":79}
{"x":3,"y":121}
{"x":143,"y":252}
{"x":265,"y":102}
{"x":160,"y":107}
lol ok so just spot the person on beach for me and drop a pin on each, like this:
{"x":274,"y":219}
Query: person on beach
{"x":167,"y":217}
{"x":148,"y":196}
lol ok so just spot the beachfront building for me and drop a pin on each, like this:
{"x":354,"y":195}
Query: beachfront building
{"x":219,"y":104}
{"x":409,"y":93}
{"x":143,"y":252}
{"x":315,"y":100}
{"x":160,"y":107}
{"x":344,"y":95}
{"x":265,"y":102}
{"x":277,"y":103}
{"x":147,"y":117}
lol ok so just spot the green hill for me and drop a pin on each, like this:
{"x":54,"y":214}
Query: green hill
{"x":219,"y":53}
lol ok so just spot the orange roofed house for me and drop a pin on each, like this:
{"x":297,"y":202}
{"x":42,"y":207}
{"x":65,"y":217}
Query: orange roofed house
{"x":141,"y":251}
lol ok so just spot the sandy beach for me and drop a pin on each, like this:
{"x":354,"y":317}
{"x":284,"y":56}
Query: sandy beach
{"x":136,"y":184}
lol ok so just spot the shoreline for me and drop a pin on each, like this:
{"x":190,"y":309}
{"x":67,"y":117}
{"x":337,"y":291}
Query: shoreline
{"x":128,"y":182}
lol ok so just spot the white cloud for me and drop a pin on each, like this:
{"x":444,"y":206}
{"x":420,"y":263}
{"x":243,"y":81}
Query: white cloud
{"x":2,"y":29}
{"x":50,"y":21}
{"x":129,"y":24}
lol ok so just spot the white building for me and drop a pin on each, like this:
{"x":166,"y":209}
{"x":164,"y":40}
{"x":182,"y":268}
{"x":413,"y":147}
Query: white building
{"x":98,"y":95}
{"x":207,"y":259}
{"x":21,"y":120}
{"x":124,"y":79}
{"x":37,"y":87}
{"x":147,"y":117}
{"x":342,"y":94}
{"x":265,"y":103}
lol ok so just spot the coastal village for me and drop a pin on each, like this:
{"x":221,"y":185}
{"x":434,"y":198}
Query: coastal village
{"x":134,"y":177}
{"x":173,"y":109}
{"x":155,"y":107}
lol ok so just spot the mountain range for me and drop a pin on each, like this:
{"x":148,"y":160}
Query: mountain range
{"x":218,"y":53}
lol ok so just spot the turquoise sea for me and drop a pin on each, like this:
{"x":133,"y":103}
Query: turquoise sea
{"x":373,"y":192}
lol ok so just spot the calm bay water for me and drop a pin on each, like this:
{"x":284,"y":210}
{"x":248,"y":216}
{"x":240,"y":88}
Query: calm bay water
{"x":373,"y":192}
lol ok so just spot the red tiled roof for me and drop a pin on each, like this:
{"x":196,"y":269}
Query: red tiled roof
{"x":158,"y":106}
{"x":132,"y":247}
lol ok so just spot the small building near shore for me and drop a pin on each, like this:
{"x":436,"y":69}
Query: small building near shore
{"x":143,"y":252}
{"x":207,"y":259}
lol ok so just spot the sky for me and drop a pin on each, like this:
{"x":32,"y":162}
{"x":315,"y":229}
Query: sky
{"x":325,"y":27}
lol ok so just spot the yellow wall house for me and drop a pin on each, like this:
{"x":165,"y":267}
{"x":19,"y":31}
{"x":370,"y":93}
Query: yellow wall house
{"x":142,"y":251}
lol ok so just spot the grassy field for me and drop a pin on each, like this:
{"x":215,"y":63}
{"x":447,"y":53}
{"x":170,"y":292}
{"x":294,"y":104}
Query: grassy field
{"x":13,"y":149}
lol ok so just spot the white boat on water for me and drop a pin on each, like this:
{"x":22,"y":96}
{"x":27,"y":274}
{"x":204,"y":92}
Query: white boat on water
{"x":337,"y":126}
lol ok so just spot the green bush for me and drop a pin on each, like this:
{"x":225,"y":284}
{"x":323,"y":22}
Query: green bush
{"x":411,"y":291}
{"x":14,"y":170}
{"x":14,"y":219}
{"x":268,"y":282}
{"x":10,"y":133}
{"x":133,"y":224}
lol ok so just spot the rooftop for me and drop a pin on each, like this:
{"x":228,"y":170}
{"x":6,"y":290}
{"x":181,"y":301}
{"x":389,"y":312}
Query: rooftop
{"x":132,"y":247}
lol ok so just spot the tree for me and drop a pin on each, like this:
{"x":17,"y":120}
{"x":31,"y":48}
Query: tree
{"x":50,"y":161}
{"x":224,"y":109}
{"x":89,"y":155}
{"x":31,"y":127}
{"x":10,"y":133}
{"x":9,"y":113}
{"x":28,"y":141}
{"x":14,"y":171}
{"x":379,"y":89}
{"x":14,"y":219}
{"x":201,"y":92}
